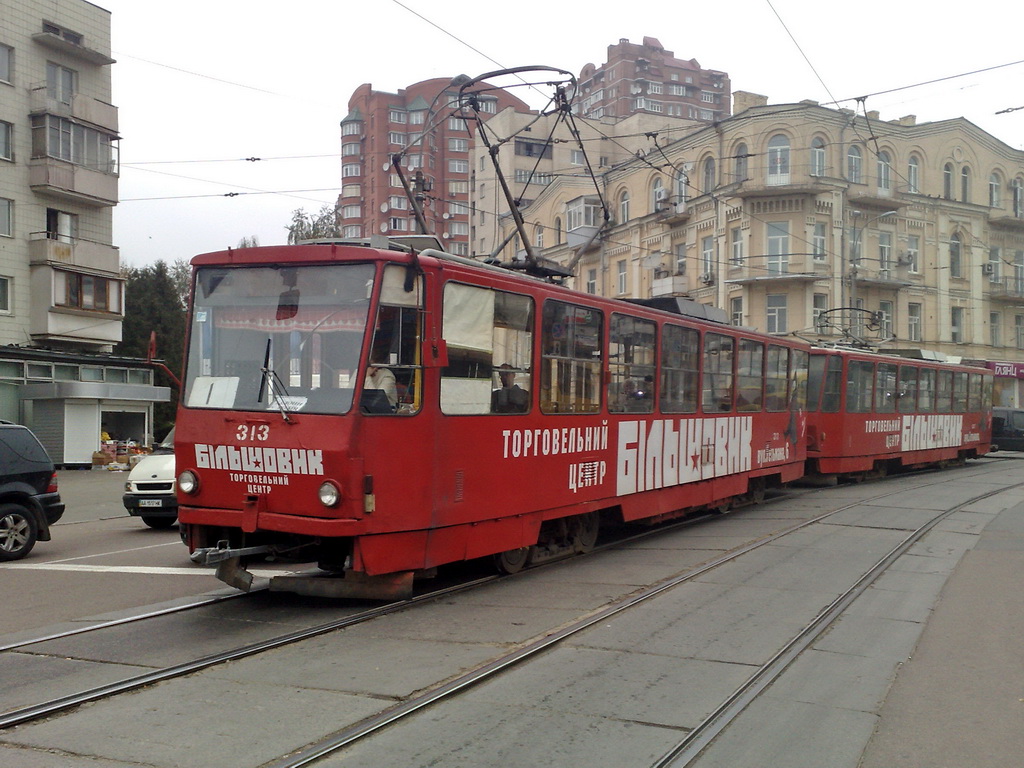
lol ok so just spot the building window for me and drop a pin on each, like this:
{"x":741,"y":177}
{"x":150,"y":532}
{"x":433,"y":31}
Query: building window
{"x":778,"y":160}
{"x":352,"y":230}
{"x":592,"y":281}
{"x":819,"y":241}
{"x":81,"y":291}
{"x":622,"y":276}
{"x":398,"y":116}
{"x":1018,"y":329}
{"x":457,"y":124}
{"x":736,"y":241}
{"x":884,"y":253}
{"x":884,"y":172}
{"x":1018,"y":198}
{"x":777,"y":234}
{"x":885,"y":318}
{"x":61,"y":83}
{"x":350,"y":149}
{"x":458,"y":228}
{"x":351,"y":211}
{"x":680,"y":251}
{"x":459,"y":249}
{"x":623,"y":207}
{"x":6,"y":63}
{"x":582,"y":212}
{"x":956,"y":323}
{"x":708,"y":175}
{"x":854,"y":169}
{"x":6,"y":217}
{"x":956,"y":265}
{"x":350,"y":169}
{"x":352,"y":128}
{"x":775,"y":313}
{"x":576,"y":157}
{"x":914,"y":174}
{"x":817,"y":156}
{"x":398,"y":138}
{"x":682,"y":190}
{"x":914,"y":322}
{"x":995,"y":186}
{"x":398,"y":224}
{"x":458,"y":166}
{"x":61,"y":225}
{"x":658,"y":195}
{"x":417,"y":117}
{"x":820,"y":306}
{"x":458,"y":187}
{"x":6,"y":141}
{"x":965,"y":184}
{"x":947,"y":181}
{"x":707,"y":255}
{"x":995,"y":264}
{"x":995,"y":329}
{"x":533,"y":149}
{"x":5,"y":295}
{"x":913,"y":253}
{"x":741,"y":163}
{"x":736,"y":310}
{"x":458,"y":145}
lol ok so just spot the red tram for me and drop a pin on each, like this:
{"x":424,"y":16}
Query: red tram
{"x":384,"y":412}
{"x":871,"y":414}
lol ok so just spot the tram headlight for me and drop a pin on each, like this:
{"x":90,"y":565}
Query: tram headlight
{"x":329,"y":493}
{"x":188,"y":482}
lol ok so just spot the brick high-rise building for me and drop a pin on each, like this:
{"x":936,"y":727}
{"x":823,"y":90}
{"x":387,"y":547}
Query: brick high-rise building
{"x":380,"y":124}
{"x":647,"y":78}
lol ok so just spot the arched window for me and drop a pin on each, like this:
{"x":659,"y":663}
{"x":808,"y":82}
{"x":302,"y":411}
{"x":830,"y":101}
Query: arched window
{"x":818,"y":156}
{"x":623,"y":206}
{"x":965,"y":184}
{"x":947,"y":181}
{"x":914,"y":174}
{"x":741,"y":163}
{"x":995,"y":190}
{"x":854,"y":167}
{"x":1018,"y":197}
{"x":884,"y":172}
{"x":778,"y":160}
{"x":709,"y":176}
{"x":558,"y":230}
{"x":682,"y":189}
{"x":658,"y":195}
{"x":538,"y":236}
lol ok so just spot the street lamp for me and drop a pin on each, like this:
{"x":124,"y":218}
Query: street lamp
{"x":855,"y":252}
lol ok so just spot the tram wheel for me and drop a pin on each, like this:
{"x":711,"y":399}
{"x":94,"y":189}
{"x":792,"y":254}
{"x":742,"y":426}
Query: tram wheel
{"x":586,"y":528}
{"x":512,"y":560}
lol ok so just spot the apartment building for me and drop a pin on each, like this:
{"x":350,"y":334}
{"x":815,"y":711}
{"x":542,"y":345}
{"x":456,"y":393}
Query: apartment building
{"x":801,"y":219}
{"x":61,"y":293}
{"x":424,"y":122}
{"x":648,"y":78}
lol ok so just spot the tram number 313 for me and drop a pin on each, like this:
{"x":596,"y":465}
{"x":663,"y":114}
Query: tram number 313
{"x":252,"y":432}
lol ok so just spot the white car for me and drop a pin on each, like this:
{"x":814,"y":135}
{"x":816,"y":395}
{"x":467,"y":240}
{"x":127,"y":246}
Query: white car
{"x":149,"y":492}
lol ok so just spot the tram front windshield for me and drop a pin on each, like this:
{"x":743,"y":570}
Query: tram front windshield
{"x":277,"y":338}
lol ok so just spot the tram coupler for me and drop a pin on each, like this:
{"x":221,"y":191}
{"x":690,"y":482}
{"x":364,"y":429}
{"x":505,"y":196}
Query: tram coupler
{"x":350,"y":584}
{"x":229,"y":562}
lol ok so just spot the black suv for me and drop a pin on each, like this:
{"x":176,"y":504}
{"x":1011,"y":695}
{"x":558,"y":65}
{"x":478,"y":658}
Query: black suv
{"x":1007,"y":429}
{"x":29,"y":500}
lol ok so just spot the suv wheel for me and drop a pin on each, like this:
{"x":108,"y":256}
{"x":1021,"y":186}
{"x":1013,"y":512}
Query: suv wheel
{"x":17,"y":532}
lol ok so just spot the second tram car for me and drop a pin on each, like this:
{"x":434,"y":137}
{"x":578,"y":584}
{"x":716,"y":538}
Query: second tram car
{"x":384,"y":412}
{"x":871,"y":414}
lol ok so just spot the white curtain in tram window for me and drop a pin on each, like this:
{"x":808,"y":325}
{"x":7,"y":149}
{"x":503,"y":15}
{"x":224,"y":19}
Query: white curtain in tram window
{"x":392,"y":289}
{"x":468,"y":317}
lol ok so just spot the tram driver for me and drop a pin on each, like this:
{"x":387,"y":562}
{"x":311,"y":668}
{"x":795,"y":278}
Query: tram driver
{"x":380,"y":379}
{"x":510,"y":397}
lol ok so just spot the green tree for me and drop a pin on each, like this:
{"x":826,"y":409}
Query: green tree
{"x":308,"y":226}
{"x":154,"y":302}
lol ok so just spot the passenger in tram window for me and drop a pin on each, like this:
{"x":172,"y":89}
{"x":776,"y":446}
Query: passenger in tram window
{"x":510,"y":397}
{"x":380,"y":378}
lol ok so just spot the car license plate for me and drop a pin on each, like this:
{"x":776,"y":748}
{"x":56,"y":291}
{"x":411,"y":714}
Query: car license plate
{"x":151,"y":502}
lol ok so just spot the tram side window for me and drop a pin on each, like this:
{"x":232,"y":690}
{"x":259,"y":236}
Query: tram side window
{"x":394,"y":376}
{"x":926,"y":391}
{"x":859,"y":386}
{"x":750,"y":375}
{"x":974,"y":396}
{"x":815,"y":381}
{"x":680,"y":363}
{"x":799,"y":362}
{"x":907,"y":389}
{"x":987,"y":383}
{"x":959,"y":391}
{"x":716,"y":390}
{"x":944,"y":393}
{"x":631,"y":355}
{"x":777,"y":378}
{"x":885,"y":388}
{"x":489,"y":336}
{"x":831,"y":397}
{"x":571,"y":344}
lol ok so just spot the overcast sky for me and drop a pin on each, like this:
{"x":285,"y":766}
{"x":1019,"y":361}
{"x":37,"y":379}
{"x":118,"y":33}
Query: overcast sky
{"x":200,"y":86}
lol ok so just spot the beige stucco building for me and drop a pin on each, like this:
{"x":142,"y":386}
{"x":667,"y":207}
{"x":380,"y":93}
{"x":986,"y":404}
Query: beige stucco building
{"x":797,"y":218}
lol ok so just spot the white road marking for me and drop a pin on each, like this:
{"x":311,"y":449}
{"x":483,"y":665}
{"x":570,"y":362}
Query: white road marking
{"x":137,"y":569}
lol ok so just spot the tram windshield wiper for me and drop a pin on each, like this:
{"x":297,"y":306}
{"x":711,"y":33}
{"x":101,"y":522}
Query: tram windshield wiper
{"x":271,"y":384}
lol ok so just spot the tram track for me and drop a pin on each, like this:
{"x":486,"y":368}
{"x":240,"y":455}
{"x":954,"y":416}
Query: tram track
{"x":495,"y":666}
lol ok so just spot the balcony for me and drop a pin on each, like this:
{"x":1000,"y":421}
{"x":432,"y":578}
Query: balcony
{"x":1007,"y":289}
{"x":82,"y":108}
{"x":1003,"y":220}
{"x":76,"y":183}
{"x":886,"y":277}
{"x":73,"y":252}
{"x":668,"y":285}
{"x":56,"y":42}
{"x":792,"y":186}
